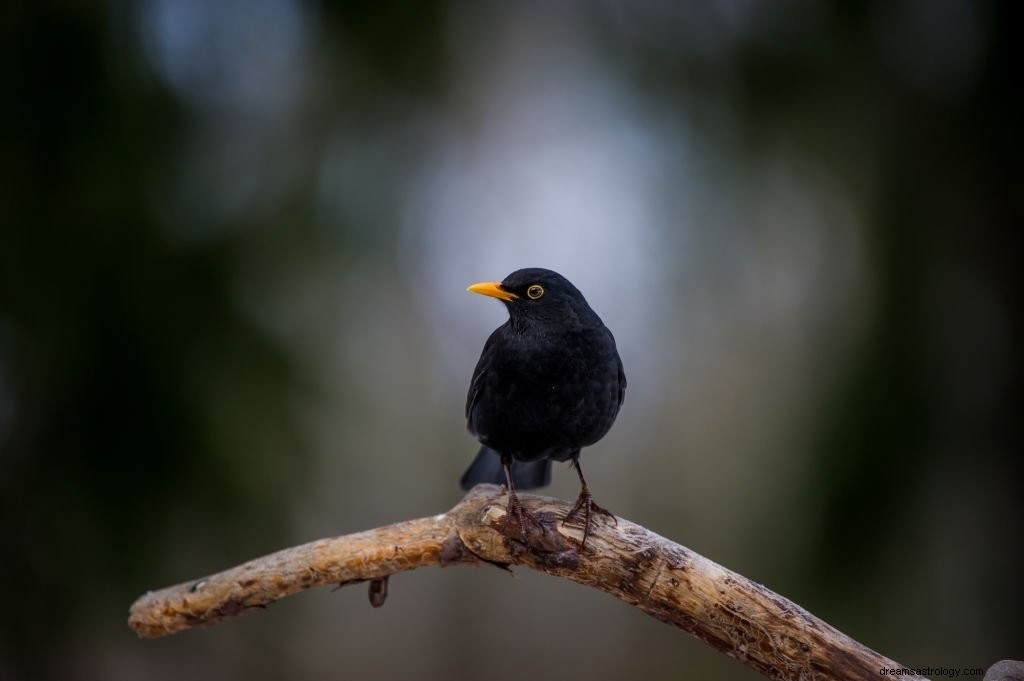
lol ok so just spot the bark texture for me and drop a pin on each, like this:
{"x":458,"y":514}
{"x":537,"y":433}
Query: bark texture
{"x":729,"y":612}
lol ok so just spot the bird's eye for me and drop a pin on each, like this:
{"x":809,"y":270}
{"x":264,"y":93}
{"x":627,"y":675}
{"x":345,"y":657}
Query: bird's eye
{"x":535,"y":291}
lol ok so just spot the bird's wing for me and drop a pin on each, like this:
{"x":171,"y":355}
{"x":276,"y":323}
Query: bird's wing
{"x":622,"y":374}
{"x":622,"y":380}
{"x":483,"y":365}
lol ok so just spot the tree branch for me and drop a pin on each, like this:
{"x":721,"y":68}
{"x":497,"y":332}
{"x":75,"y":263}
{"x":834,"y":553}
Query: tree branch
{"x":729,"y":612}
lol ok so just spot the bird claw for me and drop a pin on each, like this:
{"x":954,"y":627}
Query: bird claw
{"x":586,"y":506}
{"x":516,"y":510}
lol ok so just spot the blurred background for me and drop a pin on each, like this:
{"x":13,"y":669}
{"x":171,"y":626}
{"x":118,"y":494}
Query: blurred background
{"x":234,"y":244}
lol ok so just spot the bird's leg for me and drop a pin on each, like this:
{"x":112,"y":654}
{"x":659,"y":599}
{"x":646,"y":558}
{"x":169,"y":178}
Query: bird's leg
{"x":514,"y":507}
{"x":585,"y":505}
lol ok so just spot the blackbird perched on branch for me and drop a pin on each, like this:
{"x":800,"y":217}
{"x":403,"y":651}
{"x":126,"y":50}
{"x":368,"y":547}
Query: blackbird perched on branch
{"x":548,"y":383}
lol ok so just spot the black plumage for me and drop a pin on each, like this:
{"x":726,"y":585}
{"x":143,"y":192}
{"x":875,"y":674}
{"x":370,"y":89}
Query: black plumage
{"x":548,"y":383}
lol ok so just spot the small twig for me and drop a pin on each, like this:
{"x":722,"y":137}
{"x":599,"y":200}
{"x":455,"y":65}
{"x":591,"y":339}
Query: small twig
{"x":739,"y":617}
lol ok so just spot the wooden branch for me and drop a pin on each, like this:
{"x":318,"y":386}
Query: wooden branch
{"x":729,"y":612}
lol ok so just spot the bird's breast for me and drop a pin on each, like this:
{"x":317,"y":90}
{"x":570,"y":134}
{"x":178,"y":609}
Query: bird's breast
{"x":547,"y":393}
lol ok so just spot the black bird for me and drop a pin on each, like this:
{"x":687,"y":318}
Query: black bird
{"x":548,"y":383}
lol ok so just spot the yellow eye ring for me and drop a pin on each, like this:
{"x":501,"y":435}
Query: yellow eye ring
{"x":535,"y":291}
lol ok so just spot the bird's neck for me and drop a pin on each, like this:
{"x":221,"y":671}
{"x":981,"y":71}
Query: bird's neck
{"x":568,"y":325}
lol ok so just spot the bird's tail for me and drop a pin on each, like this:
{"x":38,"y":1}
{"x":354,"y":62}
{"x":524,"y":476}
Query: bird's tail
{"x":486,"y":467}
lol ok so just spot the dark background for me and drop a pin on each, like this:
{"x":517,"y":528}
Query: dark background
{"x":234,"y":243}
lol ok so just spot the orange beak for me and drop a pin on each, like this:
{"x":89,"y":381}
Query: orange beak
{"x":492,"y":289}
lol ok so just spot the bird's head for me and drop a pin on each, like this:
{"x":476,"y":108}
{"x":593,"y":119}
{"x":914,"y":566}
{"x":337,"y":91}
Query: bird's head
{"x":537,"y":295}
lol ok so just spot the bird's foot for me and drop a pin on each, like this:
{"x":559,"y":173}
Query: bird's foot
{"x":586,"y":507}
{"x":517,"y":519}
{"x":536,"y":535}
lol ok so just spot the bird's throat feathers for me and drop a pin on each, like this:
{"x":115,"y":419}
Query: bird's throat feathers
{"x":555,"y":317}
